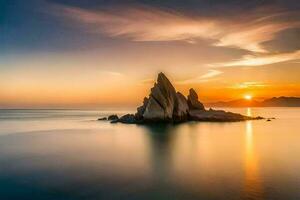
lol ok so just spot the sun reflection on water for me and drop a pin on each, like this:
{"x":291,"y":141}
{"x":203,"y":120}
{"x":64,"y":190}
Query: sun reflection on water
{"x":253,"y":188}
{"x":249,"y":112}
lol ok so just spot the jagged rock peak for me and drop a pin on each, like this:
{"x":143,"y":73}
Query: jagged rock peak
{"x":161,"y":101}
{"x":193,"y":102}
{"x":164,"y":83}
{"x":165,"y":104}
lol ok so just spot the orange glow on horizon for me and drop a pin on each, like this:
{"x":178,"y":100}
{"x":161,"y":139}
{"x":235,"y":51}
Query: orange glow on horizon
{"x":78,"y":81}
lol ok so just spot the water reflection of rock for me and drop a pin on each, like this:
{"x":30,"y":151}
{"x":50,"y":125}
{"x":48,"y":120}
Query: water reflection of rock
{"x":174,"y":160}
{"x":160,"y":133}
{"x":161,"y":141}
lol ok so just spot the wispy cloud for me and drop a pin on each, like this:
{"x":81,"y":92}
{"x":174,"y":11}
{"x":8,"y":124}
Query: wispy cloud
{"x":143,"y":23}
{"x":210,"y":74}
{"x":148,"y":81}
{"x":251,"y":37}
{"x":112,"y":73}
{"x":248,"y":31}
{"x":250,"y":60}
{"x":252,"y":84}
{"x":202,"y":78}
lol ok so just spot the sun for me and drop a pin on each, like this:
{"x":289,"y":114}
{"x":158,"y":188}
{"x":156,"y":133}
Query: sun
{"x":248,"y":97}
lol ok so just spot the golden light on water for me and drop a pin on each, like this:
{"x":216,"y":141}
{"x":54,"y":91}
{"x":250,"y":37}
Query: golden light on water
{"x":253,"y":188}
{"x":249,"y":112}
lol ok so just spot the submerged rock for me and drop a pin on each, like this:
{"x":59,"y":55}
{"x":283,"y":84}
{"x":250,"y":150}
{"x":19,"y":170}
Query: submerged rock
{"x":164,"y":104}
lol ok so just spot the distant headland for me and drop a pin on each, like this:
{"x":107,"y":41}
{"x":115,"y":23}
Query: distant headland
{"x":271,"y":102}
{"x":164,"y":104}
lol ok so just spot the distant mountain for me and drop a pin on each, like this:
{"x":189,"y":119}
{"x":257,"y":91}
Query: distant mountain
{"x":282,"y":102}
{"x":234,"y":103}
{"x":272,"y":102}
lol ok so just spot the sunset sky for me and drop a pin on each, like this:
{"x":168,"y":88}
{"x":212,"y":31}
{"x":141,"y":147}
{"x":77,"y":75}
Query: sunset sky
{"x":99,"y":53}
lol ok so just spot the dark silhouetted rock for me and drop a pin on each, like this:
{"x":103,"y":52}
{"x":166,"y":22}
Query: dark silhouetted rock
{"x":102,"y":118}
{"x":216,"y":115}
{"x":114,"y":121}
{"x":113,"y":117}
{"x":193,"y":102}
{"x":128,"y":119}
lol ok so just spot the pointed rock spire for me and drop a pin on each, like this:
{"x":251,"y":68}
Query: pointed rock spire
{"x":164,"y":104}
{"x":193,"y":102}
{"x":161,"y":100}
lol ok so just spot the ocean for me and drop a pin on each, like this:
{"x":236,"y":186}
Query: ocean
{"x":69,"y":155}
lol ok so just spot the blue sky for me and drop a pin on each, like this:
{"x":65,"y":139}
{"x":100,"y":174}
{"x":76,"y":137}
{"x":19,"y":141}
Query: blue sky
{"x":28,"y":25}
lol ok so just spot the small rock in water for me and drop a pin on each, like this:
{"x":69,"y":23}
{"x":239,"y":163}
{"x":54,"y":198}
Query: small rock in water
{"x":113,"y":117}
{"x":127,"y":119}
{"x":102,"y":118}
{"x":114,"y":121}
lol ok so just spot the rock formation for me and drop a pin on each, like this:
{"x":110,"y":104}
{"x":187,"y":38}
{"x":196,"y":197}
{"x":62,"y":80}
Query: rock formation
{"x":164,"y":104}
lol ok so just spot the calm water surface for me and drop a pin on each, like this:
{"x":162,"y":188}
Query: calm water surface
{"x":67,"y":154}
